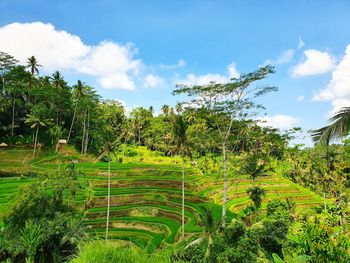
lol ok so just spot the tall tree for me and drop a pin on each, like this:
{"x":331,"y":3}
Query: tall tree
{"x":226,"y":103}
{"x":182,"y":147}
{"x":107,"y":151}
{"x":36,"y":121}
{"x":33,"y":65}
{"x":79,"y":91}
{"x":7,"y":63}
{"x":57,"y":80}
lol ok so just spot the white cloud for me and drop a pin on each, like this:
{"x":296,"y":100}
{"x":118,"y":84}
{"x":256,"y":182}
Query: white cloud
{"x":316,"y":62}
{"x":232,"y":71}
{"x":279,"y":121}
{"x":338,"y":89}
{"x":300,"y":98}
{"x":338,"y":104}
{"x":111,"y":63}
{"x":285,"y":57}
{"x":118,"y":80}
{"x":300,"y":42}
{"x":339,"y":86}
{"x":179,"y":64}
{"x":193,"y":79}
{"x":151,"y":81}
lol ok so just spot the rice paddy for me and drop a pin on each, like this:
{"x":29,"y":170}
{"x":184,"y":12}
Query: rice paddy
{"x":145,"y":194}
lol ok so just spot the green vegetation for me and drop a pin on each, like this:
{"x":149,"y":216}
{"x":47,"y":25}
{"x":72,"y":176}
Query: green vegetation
{"x":82,"y":181}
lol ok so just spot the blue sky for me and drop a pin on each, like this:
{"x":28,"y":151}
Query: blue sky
{"x":136,"y":51}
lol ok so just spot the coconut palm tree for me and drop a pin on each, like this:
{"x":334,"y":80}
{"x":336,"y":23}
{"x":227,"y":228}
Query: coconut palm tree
{"x":33,"y":65}
{"x":35,"y":122}
{"x":108,"y":150}
{"x":89,"y":96}
{"x":165,"y":109}
{"x":57,"y":80}
{"x":338,"y":128}
{"x":181,"y":146}
{"x":210,"y":227}
{"x":79,"y":91}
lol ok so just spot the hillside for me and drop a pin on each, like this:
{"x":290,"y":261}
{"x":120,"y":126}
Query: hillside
{"x":145,"y":193}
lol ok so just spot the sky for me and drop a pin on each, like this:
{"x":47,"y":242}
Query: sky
{"x":137,"y":51}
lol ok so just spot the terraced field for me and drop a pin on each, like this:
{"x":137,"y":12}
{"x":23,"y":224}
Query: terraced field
{"x":146,"y":195}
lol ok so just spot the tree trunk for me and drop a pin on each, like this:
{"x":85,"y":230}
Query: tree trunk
{"x":13,"y":115}
{"x":36,"y":139}
{"x":183,"y":200}
{"x":324,"y":201}
{"x":139,"y":136}
{"x":109,"y":193}
{"x":84,"y":130}
{"x":87,"y":132}
{"x":225,"y":186}
{"x":73,"y":199}
{"x":71,"y":126}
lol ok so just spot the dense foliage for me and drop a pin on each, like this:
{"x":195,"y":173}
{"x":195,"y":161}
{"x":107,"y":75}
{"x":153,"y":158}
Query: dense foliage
{"x":221,"y":140}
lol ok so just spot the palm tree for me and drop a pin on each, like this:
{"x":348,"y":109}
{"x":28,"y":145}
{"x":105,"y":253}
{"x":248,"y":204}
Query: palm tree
{"x":255,"y":194}
{"x":79,"y":91}
{"x":210,"y":227}
{"x":165,"y":109}
{"x":108,"y":150}
{"x":33,"y":65}
{"x":89,"y":95}
{"x":57,"y":80}
{"x":338,"y":128}
{"x":35,"y":121}
{"x":181,"y":146}
{"x":31,"y":238}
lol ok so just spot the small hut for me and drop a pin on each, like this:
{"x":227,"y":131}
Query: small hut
{"x":3,"y":145}
{"x":60,"y":144}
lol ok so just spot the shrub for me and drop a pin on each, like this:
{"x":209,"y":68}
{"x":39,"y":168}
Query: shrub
{"x":105,"y":159}
{"x":109,"y":251}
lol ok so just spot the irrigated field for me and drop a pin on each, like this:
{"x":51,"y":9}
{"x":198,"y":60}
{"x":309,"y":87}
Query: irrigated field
{"x":145,"y":194}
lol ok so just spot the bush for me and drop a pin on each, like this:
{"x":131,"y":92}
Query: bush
{"x":40,"y":227}
{"x":276,"y":208}
{"x":130,"y":152}
{"x":105,"y":159}
{"x":109,"y":251}
{"x":192,"y":254}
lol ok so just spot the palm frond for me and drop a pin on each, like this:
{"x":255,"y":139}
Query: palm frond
{"x":338,"y":128}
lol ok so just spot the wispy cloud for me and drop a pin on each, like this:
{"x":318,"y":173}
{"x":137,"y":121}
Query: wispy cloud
{"x":151,"y":81}
{"x":285,"y":57}
{"x":179,"y":64}
{"x":300,"y":42}
{"x":279,"y":121}
{"x":300,"y":98}
{"x":193,"y":79}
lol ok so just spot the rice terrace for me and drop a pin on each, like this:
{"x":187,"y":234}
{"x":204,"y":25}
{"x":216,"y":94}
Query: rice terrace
{"x":184,"y":131}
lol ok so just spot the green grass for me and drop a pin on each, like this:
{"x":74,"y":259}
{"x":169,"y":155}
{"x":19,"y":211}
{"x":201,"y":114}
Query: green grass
{"x":106,"y":252}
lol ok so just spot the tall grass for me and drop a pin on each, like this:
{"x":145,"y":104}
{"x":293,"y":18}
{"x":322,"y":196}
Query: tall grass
{"x":110,"y":252}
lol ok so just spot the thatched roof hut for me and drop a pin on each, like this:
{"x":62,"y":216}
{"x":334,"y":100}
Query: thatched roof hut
{"x":62,"y":141}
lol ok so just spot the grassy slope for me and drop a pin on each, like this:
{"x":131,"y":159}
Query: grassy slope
{"x":145,"y":194}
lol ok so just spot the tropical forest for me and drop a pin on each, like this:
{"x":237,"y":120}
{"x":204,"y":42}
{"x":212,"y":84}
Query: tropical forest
{"x":87,"y":178}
